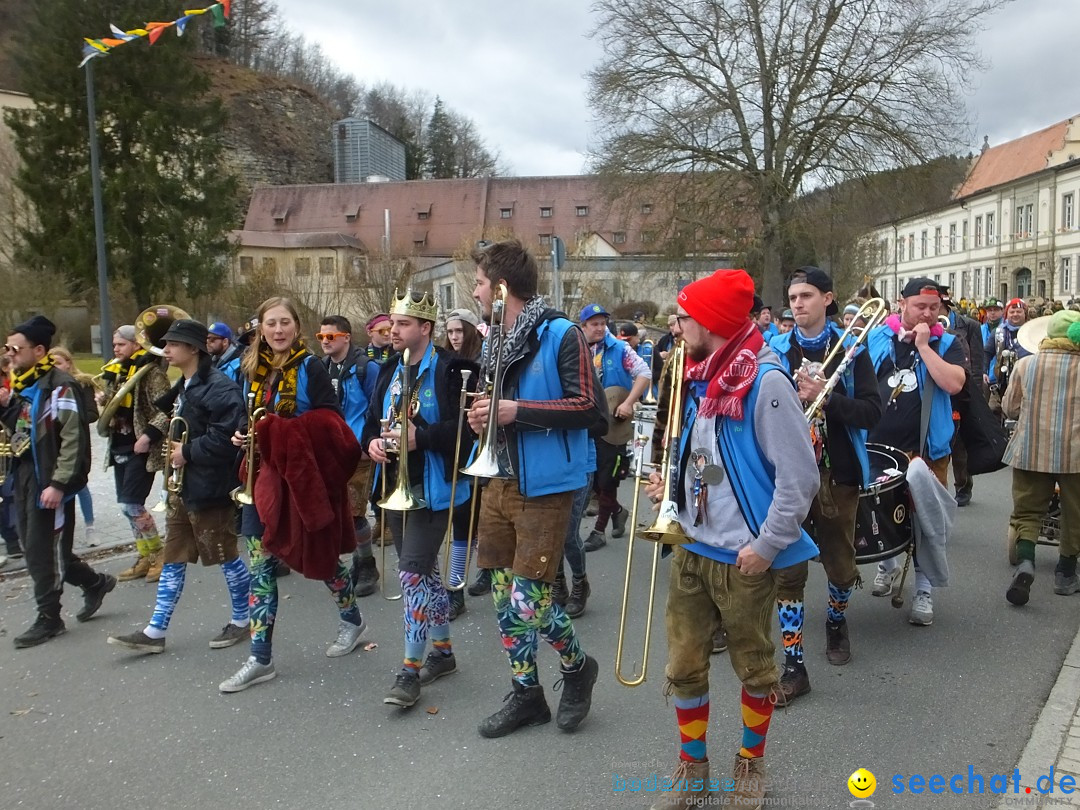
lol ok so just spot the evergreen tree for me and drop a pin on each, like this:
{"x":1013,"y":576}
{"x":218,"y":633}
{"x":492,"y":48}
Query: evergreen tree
{"x":442,"y":154}
{"x":169,"y":203}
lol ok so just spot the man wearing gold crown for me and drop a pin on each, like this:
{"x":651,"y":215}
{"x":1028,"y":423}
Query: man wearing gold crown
{"x":548,"y":398}
{"x":425,"y":427}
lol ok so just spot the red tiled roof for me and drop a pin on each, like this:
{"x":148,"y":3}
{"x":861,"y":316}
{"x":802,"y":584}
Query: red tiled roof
{"x":1014,"y":159}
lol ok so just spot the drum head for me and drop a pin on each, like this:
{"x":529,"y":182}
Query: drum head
{"x":620,"y":431}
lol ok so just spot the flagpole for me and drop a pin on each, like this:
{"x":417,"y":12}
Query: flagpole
{"x":99,"y":218}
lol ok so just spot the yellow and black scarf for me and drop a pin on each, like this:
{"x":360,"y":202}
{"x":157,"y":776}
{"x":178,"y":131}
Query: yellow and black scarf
{"x":266,"y":374}
{"x":118,"y":372}
{"x":23,"y":381}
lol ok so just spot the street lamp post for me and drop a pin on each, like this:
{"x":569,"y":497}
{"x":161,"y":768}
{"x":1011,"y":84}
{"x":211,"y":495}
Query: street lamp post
{"x":99,"y":217}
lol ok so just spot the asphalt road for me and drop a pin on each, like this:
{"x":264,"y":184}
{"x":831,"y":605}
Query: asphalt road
{"x":86,"y":725}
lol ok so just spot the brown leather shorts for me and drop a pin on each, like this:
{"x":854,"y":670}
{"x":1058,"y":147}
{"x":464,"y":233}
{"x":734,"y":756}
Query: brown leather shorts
{"x":523,"y":534}
{"x":208,"y":536}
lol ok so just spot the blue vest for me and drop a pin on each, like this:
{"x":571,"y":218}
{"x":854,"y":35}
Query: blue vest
{"x":232,"y":370}
{"x":752,"y":477}
{"x":612,"y":371}
{"x":939,"y":434}
{"x":354,"y":393}
{"x":549,"y":461}
{"x":781,"y":344}
{"x":436,"y":488}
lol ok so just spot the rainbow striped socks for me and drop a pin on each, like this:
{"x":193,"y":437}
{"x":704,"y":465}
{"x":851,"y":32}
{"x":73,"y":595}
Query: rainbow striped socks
{"x":692,"y":715}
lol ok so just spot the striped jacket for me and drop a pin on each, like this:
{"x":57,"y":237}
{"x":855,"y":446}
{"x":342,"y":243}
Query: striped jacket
{"x":1044,"y":398}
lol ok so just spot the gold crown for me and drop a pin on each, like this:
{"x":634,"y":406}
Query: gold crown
{"x":425,"y":309}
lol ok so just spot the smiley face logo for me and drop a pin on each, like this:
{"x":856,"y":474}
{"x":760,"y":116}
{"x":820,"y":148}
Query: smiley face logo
{"x":862,"y":784}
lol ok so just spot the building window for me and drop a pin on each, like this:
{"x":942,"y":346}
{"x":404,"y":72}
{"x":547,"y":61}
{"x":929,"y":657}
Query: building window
{"x":885,"y":288}
{"x":545,"y":211}
{"x":989,"y":270}
{"x":545,"y":239}
{"x":991,"y":232}
{"x":924,"y":253}
{"x":446,"y":296}
{"x":900,"y":246}
{"x":582,"y":210}
{"x":1029,"y":220}
{"x":911,"y":246}
{"x":269,"y":266}
{"x":964,"y":235}
{"x":1067,"y":212}
{"x":326,"y":265}
{"x":422,"y":214}
{"x":1066,"y":272}
{"x":647,"y":237}
{"x":506,"y":213}
{"x":952,"y":283}
{"x":418,"y":244}
{"x":978,"y":232}
{"x":963,"y":283}
{"x":619,"y":238}
{"x":646,"y":208}
{"x":952,"y":237}
{"x":302,"y":267}
{"x":247,"y":264}
{"x":976,"y":281}
{"x":937,"y":241}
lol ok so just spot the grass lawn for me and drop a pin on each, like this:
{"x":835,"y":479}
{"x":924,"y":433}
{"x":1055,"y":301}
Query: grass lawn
{"x":91,"y":364}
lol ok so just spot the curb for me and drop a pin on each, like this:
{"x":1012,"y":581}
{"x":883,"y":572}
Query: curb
{"x":106,"y":550}
{"x":1044,"y":747}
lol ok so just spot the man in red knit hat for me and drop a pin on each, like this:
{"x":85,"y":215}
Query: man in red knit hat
{"x":741,"y":497}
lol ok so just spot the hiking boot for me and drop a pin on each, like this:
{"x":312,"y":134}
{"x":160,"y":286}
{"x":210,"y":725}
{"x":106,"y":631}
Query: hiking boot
{"x":138,"y":641}
{"x":40,"y":631}
{"x":681,"y":796}
{"x":281,"y":570}
{"x":577,"y":687}
{"x":559,"y":592}
{"x":794,"y":682}
{"x":595,"y":540}
{"x":1065,"y":585}
{"x":749,"y":790}
{"x":137,"y":570}
{"x":482,"y":583}
{"x":157,"y":562}
{"x":618,"y":522}
{"x":525,"y":706}
{"x":365,"y":576}
{"x":436,"y":666}
{"x":405,"y":691}
{"x":885,"y":581}
{"x":963,"y":498}
{"x":93,"y":597}
{"x":457,"y":604}
{"x":1020,"y":588}
{"x":348,"y":638}
{"x":922,"y":609}
{"x":251,"y":673}
{"x":579,"y":596}
{"x":230,"y":634}
{"x":837,"y":644}
{"x":719,"y":640}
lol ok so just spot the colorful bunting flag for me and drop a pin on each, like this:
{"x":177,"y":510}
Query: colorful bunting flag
{"x":153,"y":30}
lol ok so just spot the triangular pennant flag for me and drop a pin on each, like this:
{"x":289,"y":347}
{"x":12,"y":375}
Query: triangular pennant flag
{"x":195,"y":12}
{"x":157,"y":30}
{"x":120,"y":34}
{"x":112,"y":43}
{"x":181,"y":24}
{"x":96,"y":44}
{"x":219,"y":15}
{"x":90,"y":53}
{"x":226,"y":6}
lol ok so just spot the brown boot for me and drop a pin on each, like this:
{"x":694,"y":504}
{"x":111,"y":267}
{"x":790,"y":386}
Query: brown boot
{"x":683,"y":782}
{"x":749,"y":781}
{"x":837,"y":643}
{"x":794,"y":682}
{"x":157,"y":562}
{"x":137,"y":571}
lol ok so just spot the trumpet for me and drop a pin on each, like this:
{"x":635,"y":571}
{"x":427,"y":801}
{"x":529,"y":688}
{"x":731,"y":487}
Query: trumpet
{"x":245,"y":495}
{"x":7,"y":454}
{"x":487,"y":463}
{"x":173,"y":481}
{"x":449,"y":539}
{"x":401,"y":499}
{"x":874,"y":311}
{"x":666,"y":528}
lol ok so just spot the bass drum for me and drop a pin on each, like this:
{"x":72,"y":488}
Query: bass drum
{"x":883,"y":520}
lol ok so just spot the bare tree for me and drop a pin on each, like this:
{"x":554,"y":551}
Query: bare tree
{"x":787,"y":94}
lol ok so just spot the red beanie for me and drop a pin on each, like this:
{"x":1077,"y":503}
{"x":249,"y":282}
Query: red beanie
{"x":720,"y":302}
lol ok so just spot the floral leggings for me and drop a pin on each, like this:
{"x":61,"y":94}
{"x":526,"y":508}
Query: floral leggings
{"x":525,"y":610}
{"x":264,"y":597}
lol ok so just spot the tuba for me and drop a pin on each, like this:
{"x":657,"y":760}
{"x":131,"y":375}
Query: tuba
{"x":150,"y":328}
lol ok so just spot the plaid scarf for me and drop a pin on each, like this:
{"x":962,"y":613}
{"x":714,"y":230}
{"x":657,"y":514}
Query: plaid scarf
{"x":730,"y":372}
{"x":23,"y":381}
{"x":514,"y":342}
{"x":269,"y":372}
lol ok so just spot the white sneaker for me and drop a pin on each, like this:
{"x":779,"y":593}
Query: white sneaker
{"x":922,"y":609}
{"x":885,"y":581}
{"x":91,"y":536}
{"x":348,"y":638}
{"x":251,"y":673}
{"x":3,"y":560}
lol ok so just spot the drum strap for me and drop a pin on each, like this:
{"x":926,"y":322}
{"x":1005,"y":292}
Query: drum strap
{"x":924,"y":418}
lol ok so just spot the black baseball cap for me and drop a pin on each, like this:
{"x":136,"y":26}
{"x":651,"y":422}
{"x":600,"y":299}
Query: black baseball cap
{"x":815,"y":277}
{"x":921,"y":285}
{"x":188,"y":331}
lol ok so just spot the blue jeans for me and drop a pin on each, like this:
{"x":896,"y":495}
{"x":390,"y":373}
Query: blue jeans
{"x":86,"y":504}
{"x":574,"y":546}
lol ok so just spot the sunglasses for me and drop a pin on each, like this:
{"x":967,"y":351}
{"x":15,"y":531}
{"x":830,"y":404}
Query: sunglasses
{"x":321,"y":336}
{"x":9,"y":348}
{"x":384,"y":331}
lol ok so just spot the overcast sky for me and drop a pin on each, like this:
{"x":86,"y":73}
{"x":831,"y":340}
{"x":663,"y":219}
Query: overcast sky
{"x":517,"y":68}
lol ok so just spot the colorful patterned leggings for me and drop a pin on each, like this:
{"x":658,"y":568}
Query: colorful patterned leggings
{"x":427,"y":613}
{"x":525,"y":611}
{"x":264,"y":597}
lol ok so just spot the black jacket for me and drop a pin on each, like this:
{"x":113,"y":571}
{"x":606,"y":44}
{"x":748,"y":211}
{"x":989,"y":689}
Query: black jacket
{"x":970,"y":333}
{"x":437,"y":437}
{"x":213,"y":407}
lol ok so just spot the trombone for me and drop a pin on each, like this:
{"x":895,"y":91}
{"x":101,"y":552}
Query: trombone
{"x":245,"y":495}
{"x":487,"y":463}
{"x":650,"y":397}
{"x":874,"y":311}
{"x":449,"y":539}
{"x":666,"y":528}
{"x":401,"y":499}
{"x":173,"y":478}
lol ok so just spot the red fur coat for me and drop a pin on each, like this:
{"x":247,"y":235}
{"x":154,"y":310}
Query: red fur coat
{"x":302,"y":491}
